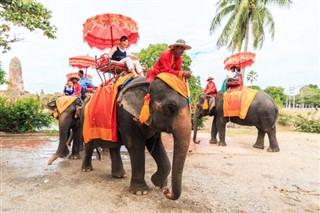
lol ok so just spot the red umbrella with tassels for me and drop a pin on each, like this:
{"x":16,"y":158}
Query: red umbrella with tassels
{"x":105,"y":30}
{"x":82,"y":61}
{"x":241,"y":60}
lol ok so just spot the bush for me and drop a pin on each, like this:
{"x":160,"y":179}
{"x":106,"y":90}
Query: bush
{"x":285,"y":119}
{"x":22,"y":115}
{"x":307,"y":124}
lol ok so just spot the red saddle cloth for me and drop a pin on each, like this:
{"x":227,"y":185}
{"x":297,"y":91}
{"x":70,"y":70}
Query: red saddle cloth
{"x":100,"y":116}
{"x":100,"y":121}
{"x":237,"y":103}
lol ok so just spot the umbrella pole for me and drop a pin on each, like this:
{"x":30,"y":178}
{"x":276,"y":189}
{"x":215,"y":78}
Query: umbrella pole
{"x":98,"y":71}
{"x":111,"y":36}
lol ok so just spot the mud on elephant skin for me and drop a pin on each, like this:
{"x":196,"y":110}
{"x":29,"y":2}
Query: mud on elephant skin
{"x":262,"y":114}
{"x":169,"y":112}
{"x":69,"y":128}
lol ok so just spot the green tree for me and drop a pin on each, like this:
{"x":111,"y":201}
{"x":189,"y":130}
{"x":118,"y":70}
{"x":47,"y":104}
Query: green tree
{"x":252,"y":76}
{"x":243,"y":16}
{"x":150,"y":55}
{"x":2,"y":76}
{"x":277,"y":93}
{"x":28,"y":14}
{"x":309,"y":95}
{"x":255,"y":87}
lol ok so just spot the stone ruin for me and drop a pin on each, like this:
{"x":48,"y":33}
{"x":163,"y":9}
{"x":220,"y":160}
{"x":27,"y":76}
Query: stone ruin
{"x":15,"y":77}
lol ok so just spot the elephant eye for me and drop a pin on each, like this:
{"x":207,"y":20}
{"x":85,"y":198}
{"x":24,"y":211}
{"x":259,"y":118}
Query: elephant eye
{"x":170,"y":109}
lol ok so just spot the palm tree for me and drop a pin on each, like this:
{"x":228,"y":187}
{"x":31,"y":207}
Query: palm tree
{"x":252,"y":76}
{"x":244,"y":15}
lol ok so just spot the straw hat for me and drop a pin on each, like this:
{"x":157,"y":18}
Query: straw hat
{"x":210,"y":78}
{"x":180,"y":42}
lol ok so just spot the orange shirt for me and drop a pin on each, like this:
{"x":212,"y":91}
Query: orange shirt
{"x":211,"y":89}
{"x":166,"y":63}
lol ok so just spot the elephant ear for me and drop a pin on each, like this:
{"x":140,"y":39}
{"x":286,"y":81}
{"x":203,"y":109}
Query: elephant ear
{"x":131,"y":97}
{"x":212,"y":102}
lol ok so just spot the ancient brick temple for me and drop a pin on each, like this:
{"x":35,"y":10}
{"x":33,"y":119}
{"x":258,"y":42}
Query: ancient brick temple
{"x":15,"y":76}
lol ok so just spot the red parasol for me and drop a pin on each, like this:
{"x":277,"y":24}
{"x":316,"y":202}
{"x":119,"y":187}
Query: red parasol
{"x":82,"y":62}
{"x":241,"y":60}
{"x":105,"y":30}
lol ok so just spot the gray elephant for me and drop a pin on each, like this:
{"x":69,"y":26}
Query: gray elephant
{"x":169,"y":112}
{"x":262,"y":114}
{"x":69,"y":126}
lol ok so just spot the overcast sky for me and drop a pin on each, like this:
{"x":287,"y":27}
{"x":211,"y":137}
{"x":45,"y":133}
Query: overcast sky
{"x":290,"y":60}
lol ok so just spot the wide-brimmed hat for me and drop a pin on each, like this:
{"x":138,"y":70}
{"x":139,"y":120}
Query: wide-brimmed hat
{"x":71,"y":76}
{"x":210,"y":78}
{"x":180,"y":42}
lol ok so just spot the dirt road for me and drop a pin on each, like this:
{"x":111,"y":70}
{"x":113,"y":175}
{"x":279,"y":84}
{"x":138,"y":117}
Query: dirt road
{"x":236,"y":178}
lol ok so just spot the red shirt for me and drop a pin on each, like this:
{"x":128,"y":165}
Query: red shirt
{"x":211,"y":89}
{"x":166,"y":63}
{"x":77,"y":87}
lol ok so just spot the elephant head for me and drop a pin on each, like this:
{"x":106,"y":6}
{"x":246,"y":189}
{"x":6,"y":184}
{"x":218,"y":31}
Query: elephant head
{"x":204,"y":107}
{"x":169,"y":112}
{"x":68,"y":117}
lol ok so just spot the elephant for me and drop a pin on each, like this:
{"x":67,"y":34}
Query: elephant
{"x":169,"y":112}
{"x":262,"y":114}
{"x":68,"y":120}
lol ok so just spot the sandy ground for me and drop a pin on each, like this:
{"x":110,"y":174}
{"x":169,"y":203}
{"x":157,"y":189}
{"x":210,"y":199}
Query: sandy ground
{"x":235,"y":178}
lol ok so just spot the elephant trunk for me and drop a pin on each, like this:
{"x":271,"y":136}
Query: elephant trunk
{"x":181,"y":135}
{"x":195,"y":127}
{"x":64,"y":139}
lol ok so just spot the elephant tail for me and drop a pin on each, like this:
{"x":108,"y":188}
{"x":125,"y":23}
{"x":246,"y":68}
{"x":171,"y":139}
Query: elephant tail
{"x":99,"y":153}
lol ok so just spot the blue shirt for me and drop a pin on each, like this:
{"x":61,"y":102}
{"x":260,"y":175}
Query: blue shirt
{"x":70,"y":91}
{"x":84,"y":82}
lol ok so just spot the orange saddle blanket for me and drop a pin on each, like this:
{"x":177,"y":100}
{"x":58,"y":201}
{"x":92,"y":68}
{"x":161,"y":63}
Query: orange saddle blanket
{"x":100,"y":116}
{"x":64,"y":101}
{"x":237,"y":103}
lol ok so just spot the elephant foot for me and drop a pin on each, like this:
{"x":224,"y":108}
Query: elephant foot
{"x":258,"y":146}
{"x":222,"y":144}
{"x":275,"y":149}
{"x":142,"y":189}
{"x":213,"y":141}
{"x":120,"y":174}
{"x":74,"y":156}
{"x":86,"y":168}
{"x":159,"y":181}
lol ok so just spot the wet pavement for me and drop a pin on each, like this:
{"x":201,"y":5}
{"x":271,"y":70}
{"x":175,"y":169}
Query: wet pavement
{"x":49,"y":143}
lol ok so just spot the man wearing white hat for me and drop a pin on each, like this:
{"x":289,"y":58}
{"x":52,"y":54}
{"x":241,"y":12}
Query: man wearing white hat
{"x":170,"y":61}
{"x":211,"y":88}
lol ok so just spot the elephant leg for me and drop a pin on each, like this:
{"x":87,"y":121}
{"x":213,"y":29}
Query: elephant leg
{"x":260,"y":139}
{"x":136,"y":151}
{"x":87,"y":160}
{"x":221,"y":127}
{"x":214,"y":132}
{"x":77,"y":140}
{"x":117,"y":170}
{"x":273,"y":142}
{"x":158,"y":152}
